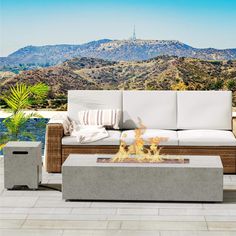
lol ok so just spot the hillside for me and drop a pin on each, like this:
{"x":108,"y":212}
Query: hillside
{"x":164,"y":72}
{"x":114,"y":50}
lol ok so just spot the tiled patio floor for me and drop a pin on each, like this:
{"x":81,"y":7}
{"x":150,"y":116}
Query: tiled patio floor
{"x":45,"y":213}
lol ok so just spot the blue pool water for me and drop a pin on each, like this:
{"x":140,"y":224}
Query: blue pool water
{"x":36,"y":126}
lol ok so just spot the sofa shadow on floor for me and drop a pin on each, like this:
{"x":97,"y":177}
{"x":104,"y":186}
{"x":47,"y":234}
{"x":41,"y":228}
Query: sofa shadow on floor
{"x":42,"y":187}
{"x":229,"y":196}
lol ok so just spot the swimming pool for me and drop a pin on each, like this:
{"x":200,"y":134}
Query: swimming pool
{"x":36,"y":126}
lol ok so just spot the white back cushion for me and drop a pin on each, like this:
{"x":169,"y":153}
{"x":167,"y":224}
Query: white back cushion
{"x":156,"y":109}
{"x":204,"y":110}
{"x":79,"y":100}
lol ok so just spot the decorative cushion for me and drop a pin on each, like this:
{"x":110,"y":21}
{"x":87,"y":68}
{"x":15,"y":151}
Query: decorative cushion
{"x":206,"y":138}
{"x":107,"y":117}
{"x":129,"y":136}
{"x":204,"y":110}
{"x":80,"y":100}
{"x":156,"y":109}
{"x":64,"y":120}
{"x":113,"y":139}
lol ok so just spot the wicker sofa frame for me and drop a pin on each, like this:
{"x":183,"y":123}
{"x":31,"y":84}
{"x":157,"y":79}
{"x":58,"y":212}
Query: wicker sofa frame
{"x":56,"y":153}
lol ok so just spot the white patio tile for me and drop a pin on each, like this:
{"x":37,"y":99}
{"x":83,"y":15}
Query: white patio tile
{"x":166,"y":225}
{"x":196,"y":233}
{"x":123,"y":205}
{"x":149,"y":205}
{"x":181,"y":205}
{"x":66,"y":217}
{"x":110,"y":233}
{"x":156,"y":218}
{"x":50,"y":202}
{"x":17,"y":201}
{"x":85,"y":232}
{"x":227,"y":177}
{"x":36,"y":193}
{"x":229,"y":183}
{"x":232,"y":177}
{"x":12,"y":216}
{"x":29,"y":232}
{"x":223,"y":225}
{"x":220,"y":218}
{"x":229,"y":206}
{"x":11,"y":224}
{"x":195,"y":212}
{"x":54,"y":181}
{"x":41,"y":211}
{"x":94,"y":211}
{"x":53,"y":176}
{"x":137,"y":211}
{"x":62,"y":224}
{"x":51,"y":198}
{"x":6,"y":210}
{"x":124,"y":217}
{"x":13,"y":193}
{"x":114,"y":224}
{"x":137,"y":233}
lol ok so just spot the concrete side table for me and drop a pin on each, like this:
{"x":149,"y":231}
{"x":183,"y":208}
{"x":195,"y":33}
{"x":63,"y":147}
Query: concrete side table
{"x":22,"y":164}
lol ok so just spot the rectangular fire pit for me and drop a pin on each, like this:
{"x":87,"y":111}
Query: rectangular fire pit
{"x":83,"y":178}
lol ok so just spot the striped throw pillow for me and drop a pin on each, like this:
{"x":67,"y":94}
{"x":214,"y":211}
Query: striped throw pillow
{"x":107,"y":117}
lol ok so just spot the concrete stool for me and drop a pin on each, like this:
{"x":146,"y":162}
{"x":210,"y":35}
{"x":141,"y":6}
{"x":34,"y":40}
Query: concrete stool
{"x":22,"y":164}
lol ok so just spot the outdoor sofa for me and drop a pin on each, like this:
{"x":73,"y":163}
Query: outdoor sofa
{"x":195,"y":123}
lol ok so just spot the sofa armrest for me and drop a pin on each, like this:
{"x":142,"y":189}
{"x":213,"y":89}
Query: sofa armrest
{"x":64,"y":120}
{"x":234,"y":125}
{"x":53,"y":152}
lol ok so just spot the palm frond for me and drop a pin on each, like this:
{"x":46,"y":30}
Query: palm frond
{"x":2,"y":146}
{"x":18,"y":97}
{"x":39,"y":90}
{"x":15,"y":122}
{"x":21,"y":95}
{"x":28,"y":135}
{"x":34,"y":114}
{"x":4,"y":138}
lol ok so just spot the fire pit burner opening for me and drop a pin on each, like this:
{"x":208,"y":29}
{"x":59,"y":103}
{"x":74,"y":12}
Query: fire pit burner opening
{"x":139,"y":160}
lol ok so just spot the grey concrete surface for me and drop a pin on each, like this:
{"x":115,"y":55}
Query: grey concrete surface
{"x":22,"y":164}
{"x":199,"y":180}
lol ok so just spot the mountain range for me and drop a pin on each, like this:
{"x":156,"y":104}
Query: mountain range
{"x":161,"y":73}
{"x":113,"y":50}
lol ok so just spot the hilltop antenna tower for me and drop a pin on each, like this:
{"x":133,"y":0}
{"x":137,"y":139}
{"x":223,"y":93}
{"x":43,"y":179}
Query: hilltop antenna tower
{"x":134,"y":34}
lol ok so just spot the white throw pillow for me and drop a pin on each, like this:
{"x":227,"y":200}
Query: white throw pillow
{"x":106,"y":117}
{"x":64,"y":120}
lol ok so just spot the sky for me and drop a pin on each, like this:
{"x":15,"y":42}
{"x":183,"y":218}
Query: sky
{"x":199,"y":23}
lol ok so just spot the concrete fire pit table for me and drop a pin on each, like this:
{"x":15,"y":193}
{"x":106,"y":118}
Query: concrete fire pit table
{"x":199,"y":180}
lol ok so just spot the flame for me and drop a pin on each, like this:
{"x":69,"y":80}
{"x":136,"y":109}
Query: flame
{"x":138,"y":150}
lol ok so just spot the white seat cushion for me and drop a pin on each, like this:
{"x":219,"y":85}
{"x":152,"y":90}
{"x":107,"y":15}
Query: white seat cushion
{"x":128,"y":136}
{"x":206,"y":138}
{"x":113,"y":139}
